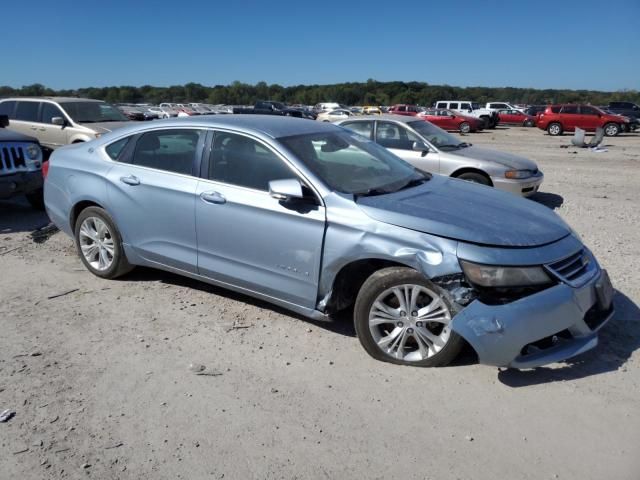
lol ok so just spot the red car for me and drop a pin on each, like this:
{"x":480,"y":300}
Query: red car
{"x":557,"y":119}
{"x":402,"y":109}
{"x":452,"y":121}
{"x":515,"y":117}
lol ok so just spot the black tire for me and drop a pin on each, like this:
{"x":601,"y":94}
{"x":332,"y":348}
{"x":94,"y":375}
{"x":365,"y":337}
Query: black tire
{"x":36,"y":199}
{"x":119,"y":264}
{"x":373,"y":287}
{"x":475,"y":178}
{"x":611,"y":129}
{"x":554,"y":129}
{"x":487,"y":121}
{"x":464,"y":127}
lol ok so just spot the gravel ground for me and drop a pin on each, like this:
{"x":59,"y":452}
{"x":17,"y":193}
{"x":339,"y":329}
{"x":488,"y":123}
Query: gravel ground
{"x":103,"y":378}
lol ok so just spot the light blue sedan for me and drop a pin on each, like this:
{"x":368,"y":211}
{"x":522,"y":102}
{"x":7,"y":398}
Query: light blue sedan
{"x":317,"y":219}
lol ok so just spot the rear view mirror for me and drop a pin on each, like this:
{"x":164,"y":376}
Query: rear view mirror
{"x":420,"y":147}
{"x":58,"y":121}
{"x":287,"y":189}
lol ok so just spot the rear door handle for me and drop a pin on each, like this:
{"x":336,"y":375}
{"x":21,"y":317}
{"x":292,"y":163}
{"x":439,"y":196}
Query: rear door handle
{"x":130,"y":180}
{"x":213,"y":197}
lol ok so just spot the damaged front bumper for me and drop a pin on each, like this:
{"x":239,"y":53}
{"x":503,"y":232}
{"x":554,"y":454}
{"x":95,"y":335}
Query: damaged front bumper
{"x":549,"y":326}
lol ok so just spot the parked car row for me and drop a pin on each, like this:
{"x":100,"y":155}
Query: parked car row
{"x":317,"y":219}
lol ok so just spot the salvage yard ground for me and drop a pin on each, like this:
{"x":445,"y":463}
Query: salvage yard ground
{"x":106,"y":377}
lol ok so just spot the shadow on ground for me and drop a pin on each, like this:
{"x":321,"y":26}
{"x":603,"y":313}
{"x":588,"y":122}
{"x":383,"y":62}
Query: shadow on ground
{"x":16,"y":215}
{"x":618,"y":340}
{"x":547,"y":199}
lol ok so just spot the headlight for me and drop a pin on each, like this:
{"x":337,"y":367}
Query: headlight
{"x":33,"y":152}
{"x":493,"y":276}
{"x":517,"y":174}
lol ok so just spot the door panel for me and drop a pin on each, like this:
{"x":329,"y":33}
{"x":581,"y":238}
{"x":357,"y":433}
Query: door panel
{"x":252,"y":240}
{"x":154,"y":211}
{"x":397,"y":139}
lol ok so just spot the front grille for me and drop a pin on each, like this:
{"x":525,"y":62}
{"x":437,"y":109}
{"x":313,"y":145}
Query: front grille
{"x":575,"y":270}
{"x":12,"y":158}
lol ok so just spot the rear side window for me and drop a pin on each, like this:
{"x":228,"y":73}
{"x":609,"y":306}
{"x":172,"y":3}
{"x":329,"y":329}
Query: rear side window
{"x":115,"y":149}
{"x":362,"y":128}
{"x":169,"y":150}
{"x":27,"y":111}
{"x":242,"y":161}
{"x":555,"y":109}
{"x":570,"y":109}
{"x":453,"y":105}
{"x":7,"y":108}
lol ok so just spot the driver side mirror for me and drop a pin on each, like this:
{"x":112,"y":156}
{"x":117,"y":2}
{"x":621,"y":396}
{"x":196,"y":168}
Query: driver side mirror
{"x":420,"y":147}
{"x":285,"y":190}
{"x":58,"y":121}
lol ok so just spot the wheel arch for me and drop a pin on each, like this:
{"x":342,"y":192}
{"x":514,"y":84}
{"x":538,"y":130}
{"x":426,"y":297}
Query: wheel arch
{"x":77,"y":209}
{"x":464,"y":170}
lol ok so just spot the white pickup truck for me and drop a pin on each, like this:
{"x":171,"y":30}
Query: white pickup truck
{"x":466,"y":107}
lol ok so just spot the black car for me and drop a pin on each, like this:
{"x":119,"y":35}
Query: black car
{"x":267,"y":107}
{"x":629,"y":110}
{"x":534,"y":110}
{"x":20,"y":165}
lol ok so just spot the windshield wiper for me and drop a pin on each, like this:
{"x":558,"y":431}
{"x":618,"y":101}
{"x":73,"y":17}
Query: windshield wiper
{"x":414,"y":182}
{"x":370,"y":193}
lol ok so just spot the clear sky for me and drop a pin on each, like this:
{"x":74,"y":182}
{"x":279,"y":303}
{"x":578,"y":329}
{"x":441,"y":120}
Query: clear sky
{"x":522,"y":43}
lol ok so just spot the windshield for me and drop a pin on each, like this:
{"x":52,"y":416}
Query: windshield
{"x":350,"y":163}
{"x":436,"y":136}
{"x":93,"y":112}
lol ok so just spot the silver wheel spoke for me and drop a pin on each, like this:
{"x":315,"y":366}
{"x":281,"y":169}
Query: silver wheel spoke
{"x":401,"y":295}
{"x":96,"y":243}
{"x":385,"y":341}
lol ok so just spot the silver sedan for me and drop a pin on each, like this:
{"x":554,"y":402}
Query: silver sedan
{"x":430,"y":148}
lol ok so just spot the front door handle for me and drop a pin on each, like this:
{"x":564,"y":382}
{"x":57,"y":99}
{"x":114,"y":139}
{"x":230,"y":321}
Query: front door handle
{"x":213,"y":197}
{"x":130,"y":180}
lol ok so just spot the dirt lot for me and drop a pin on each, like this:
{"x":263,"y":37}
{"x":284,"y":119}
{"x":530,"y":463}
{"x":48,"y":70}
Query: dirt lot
{"x":101,"y":383}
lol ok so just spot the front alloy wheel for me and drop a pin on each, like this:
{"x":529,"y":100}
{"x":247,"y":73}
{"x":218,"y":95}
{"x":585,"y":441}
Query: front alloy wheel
{"x":554,"y":129}
{"x":611,"y":129}
{"x":403,"y":318}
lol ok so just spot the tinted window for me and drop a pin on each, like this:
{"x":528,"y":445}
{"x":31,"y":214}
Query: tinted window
{"x":465,"y":106}
{"x":363,"y":128}
{"x":571,"y":109}
{"x":27,"y":111}
{"x":93,"y":112}
{"x":171,"y":150}
{"x":7,"y":108}
{"x":392,"y":135}
{"x":453,"y":105}
{"x":48,"y":111}
{"x":115,"y":149}
{"x":585,"y":110}
{"x":242,"y":161}
{"x":555,"y":109}
{"x":441,"y":105}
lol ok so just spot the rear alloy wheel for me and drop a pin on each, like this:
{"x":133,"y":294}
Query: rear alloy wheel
{"x":475,"y":178}
{"x":465,"y":127}
{"x":554,"y":129}
{"x":401,"y":317}
{"x":611,"y":129}
{"x":99,"y":244}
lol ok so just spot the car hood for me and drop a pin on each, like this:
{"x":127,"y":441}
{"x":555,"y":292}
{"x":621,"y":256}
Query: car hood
{"x":508,"y":160}
{"x":105,"y":127}
{"x":8,"y":135}
{"x":467,"y":212}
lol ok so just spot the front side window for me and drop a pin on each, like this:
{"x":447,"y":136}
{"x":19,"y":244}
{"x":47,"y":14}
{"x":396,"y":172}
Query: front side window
{"x":465,"y":106}
{"x":363,"y":128}
{"x":442,"y":105}
{"x":453,"y":106}
{"x":436,"y":136}
{"x":585,"y":110}
{"x":349,"y":163}
{"x":93,"y":112}
{"x":49,"y":111}
{"x":242,"y":161}
{"x":172,"y":150}
{"x":27,"y":111}
{"x":393,"y":135}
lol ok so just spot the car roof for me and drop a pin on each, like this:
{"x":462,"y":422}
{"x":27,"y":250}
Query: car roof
{"x":55,"y":99}
{"x":273,"y":126}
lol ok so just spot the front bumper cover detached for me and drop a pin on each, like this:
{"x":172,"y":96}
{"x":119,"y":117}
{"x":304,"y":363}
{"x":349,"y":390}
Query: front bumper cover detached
{"x":549,"y":326}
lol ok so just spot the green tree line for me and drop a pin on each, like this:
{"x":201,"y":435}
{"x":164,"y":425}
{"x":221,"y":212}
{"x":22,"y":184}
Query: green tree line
{"x":370,"y":92}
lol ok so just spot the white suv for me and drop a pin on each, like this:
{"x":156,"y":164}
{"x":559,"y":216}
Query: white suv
{"x":466,"y":107}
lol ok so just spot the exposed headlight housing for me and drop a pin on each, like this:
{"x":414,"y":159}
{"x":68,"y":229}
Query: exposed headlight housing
{"x":495,"y":276}
{"x":33,"y":152}
{"x":518,"y":174}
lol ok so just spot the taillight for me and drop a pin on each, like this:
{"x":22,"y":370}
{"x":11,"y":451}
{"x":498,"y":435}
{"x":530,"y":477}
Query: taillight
{"x":45,"y":169}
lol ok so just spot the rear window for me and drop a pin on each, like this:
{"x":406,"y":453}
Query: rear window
{"x":555,"y":109}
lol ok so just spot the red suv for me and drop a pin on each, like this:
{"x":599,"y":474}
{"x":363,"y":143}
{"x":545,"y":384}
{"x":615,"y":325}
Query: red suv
{"x":557,"y":119}
{"x":402,"y":109}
